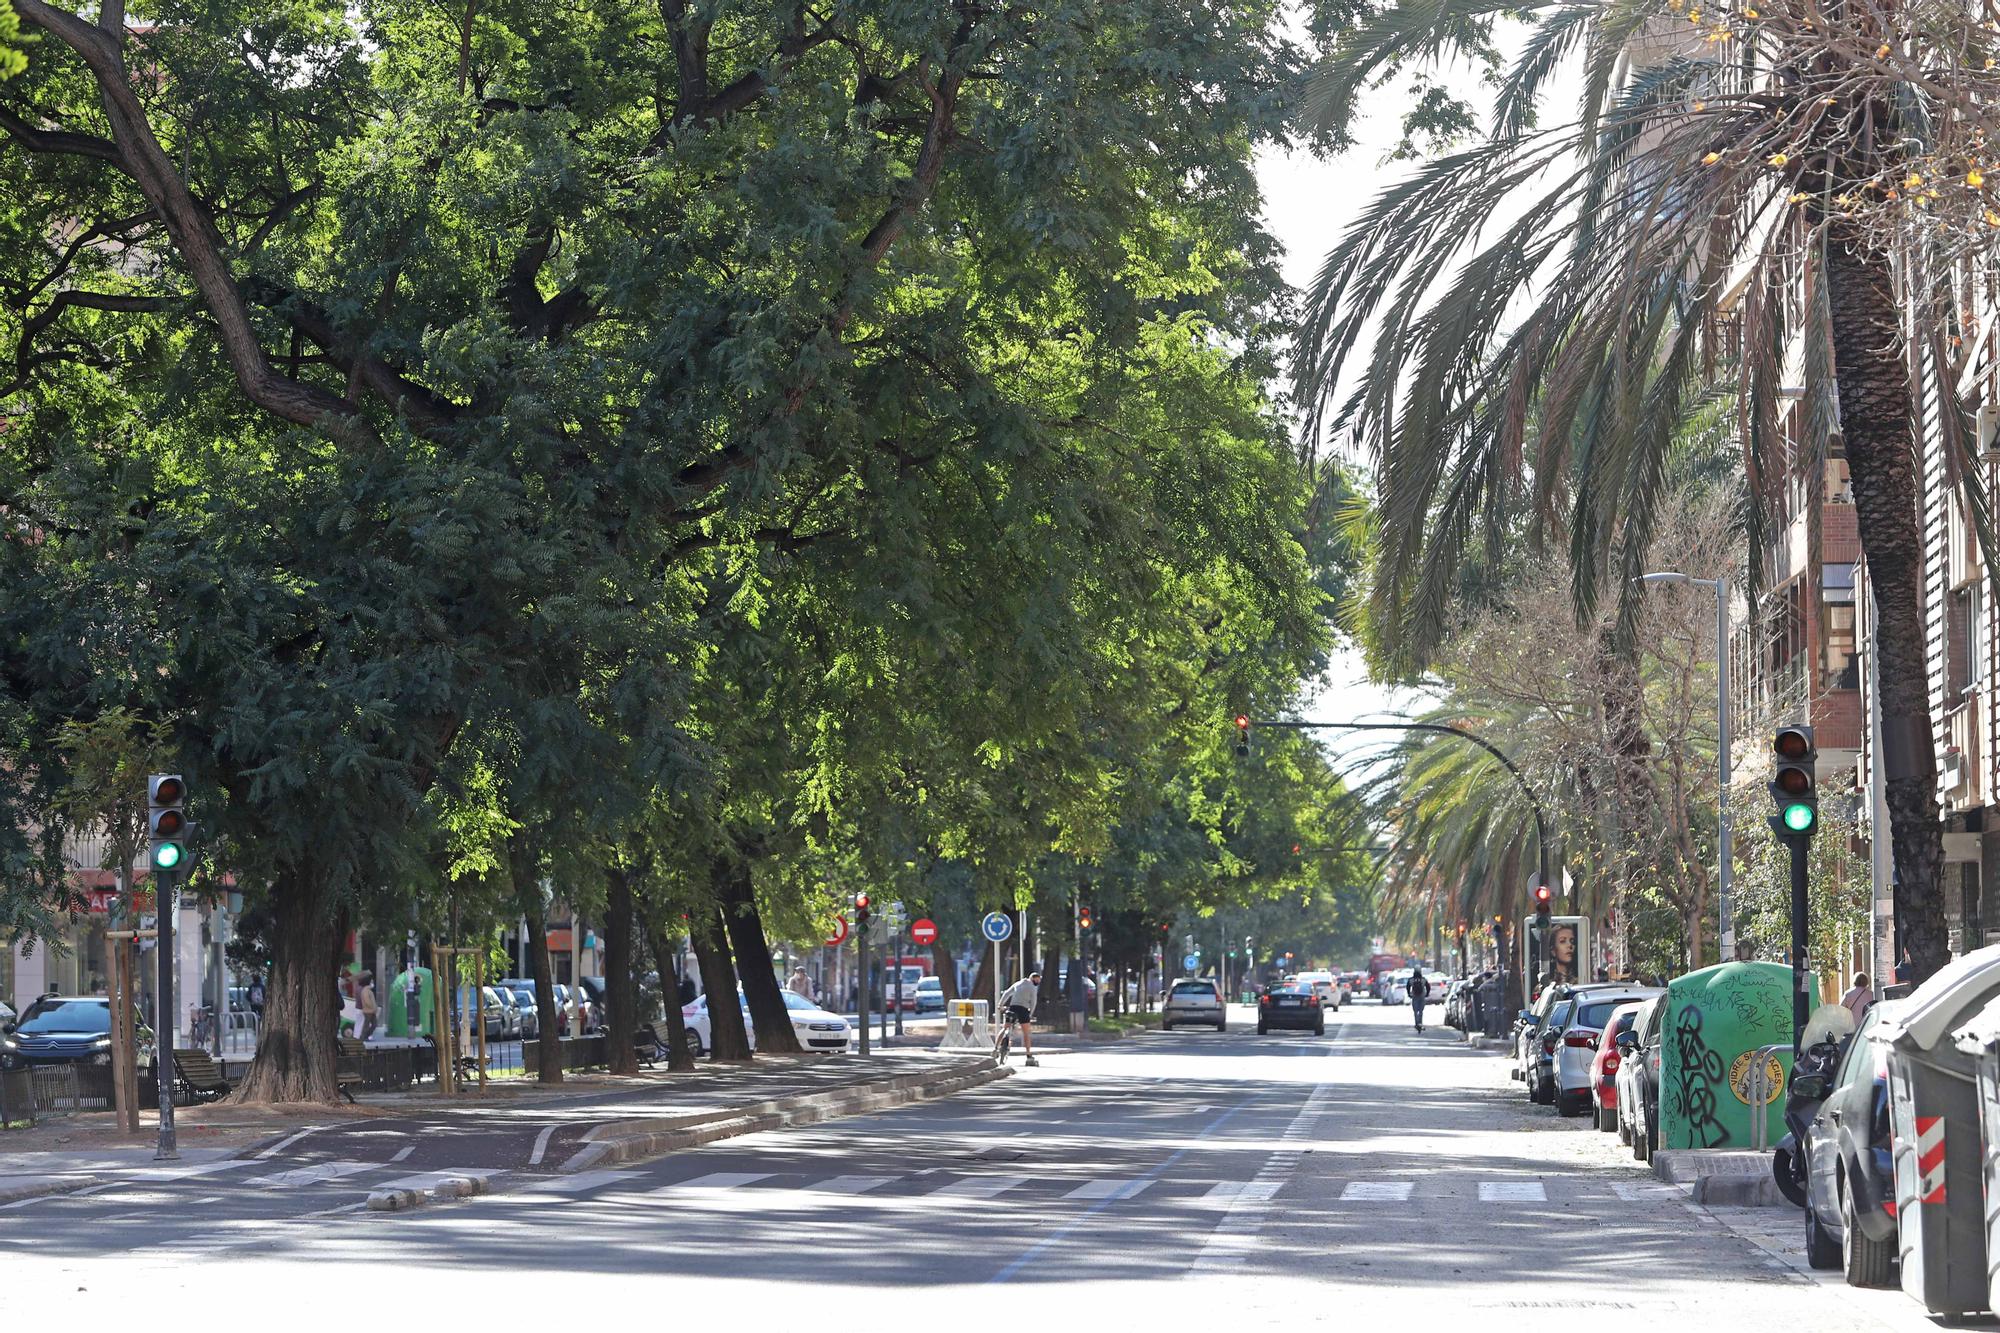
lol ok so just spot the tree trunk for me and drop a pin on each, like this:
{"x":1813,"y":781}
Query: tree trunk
{"x":548,"y":1025}
{"x":296,"y":1054}
{"x":621,"y":1017}
{"x":1875,"y":416}
{"x":726,"y":1038}
{"x":765,"y":996}
{"x":945,"y":967}
{"x":666,"y":960}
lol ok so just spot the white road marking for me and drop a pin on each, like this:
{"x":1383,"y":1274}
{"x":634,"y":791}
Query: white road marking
{"x":402,"y":1153}
{"x":980,"y":1187}
{"x":1642,"y":1191}
{"x":718,"y":1180}
{"x":283,"y":1144}
{"x":1223,"y":1191}
{"x":312,"y":1175}
{"x":541,"y":1146}
{"x":581,"y":1181}
{"x":1512,"y":1191}
{"x":851,"y":1184}
{"x":1236,"y":1232}
{"x":1107,"y":1189}
{"x":1378,"y":1191}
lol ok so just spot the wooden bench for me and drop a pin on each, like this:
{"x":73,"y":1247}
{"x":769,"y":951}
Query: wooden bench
{"x":199,"y":1079}
{"x":348,"y":1073}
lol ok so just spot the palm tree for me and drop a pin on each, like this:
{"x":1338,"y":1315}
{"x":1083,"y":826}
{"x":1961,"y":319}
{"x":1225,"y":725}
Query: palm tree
{"x":1715,"y":210}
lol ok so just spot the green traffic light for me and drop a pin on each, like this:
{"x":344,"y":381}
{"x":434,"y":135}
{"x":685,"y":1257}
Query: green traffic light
{"x":1799,"y":817}
{"x":166,"y":856}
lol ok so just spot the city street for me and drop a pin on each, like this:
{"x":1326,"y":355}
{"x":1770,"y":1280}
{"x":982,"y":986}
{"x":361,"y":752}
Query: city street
{"x":1371,"y":1173}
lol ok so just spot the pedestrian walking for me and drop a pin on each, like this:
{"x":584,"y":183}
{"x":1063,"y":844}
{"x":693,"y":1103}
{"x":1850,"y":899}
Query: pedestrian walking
{"x":1859,"y":996}
{"x":367,"y":983}
{"x":1419,"y":990}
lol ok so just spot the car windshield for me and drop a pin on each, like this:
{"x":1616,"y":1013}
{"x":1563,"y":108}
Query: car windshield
{"x":796,"y":1001}
{"x":67,"y":1016}
{"x":1598,"y":1014}
{"x":1559,"y":1015}
{"x":1194,"y":988}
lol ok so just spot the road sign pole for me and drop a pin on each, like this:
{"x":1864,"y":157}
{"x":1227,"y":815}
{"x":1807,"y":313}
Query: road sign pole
{"x":899,"y":976}
{"x":861,"y":989}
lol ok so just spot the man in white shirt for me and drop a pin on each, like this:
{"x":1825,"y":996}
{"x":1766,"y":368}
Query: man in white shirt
{"x":1017,"y":1006}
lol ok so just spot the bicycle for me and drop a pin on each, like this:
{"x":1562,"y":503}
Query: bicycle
{"x":1003,"y":1040}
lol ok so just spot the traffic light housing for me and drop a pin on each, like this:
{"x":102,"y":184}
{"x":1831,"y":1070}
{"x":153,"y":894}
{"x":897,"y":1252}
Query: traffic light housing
{"x":1794,"y":784}
{"x":166,"y":822}
{"x":1083,"y":918}
{"x":1242,"y":735}
{"x":1544,"y":903}
{"x":862,"y":903}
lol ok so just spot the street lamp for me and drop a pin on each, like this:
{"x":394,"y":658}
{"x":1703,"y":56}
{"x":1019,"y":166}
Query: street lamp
{"x":1721,"y":587}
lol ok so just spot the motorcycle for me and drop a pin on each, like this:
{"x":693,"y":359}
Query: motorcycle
{"x":1812,"y":1078}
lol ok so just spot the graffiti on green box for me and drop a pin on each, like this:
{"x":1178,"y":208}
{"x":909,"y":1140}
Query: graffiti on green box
{"x":1716,"y":1020}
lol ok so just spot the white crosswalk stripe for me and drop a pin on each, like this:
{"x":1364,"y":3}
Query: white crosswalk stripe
{"x":721,"y":1180}
{"x":852,"y":1184}
{"x":581,"y":1181}
{"x":1107,"y":1189}
{"x":1378,"y":1191}
{"x":1512,"y":1191}
{"x":980,"y":1187}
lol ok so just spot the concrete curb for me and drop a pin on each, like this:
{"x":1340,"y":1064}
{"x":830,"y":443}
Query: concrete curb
{"x":1733,"y":1179}
{"x":36,"y":1187}
{"x":638,"y":1140}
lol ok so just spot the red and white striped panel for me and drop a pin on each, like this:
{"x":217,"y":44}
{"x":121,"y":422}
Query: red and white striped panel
{"x":1930,"y":1159}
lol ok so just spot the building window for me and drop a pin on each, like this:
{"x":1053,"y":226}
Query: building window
{"x":1842,"y":671}
{"x":1964,"y":641}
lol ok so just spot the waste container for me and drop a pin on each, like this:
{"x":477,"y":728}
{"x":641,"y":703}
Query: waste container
{"x":1717,"y":1021}
{"x":1934,"y":1126}
{"x":1980,"y":1039}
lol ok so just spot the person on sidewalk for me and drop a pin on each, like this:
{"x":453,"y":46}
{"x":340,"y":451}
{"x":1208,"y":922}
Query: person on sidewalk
{"x":1859,"y":996}
{"x":1017,"y":1006}
{"x":366,"y":981}
{"x":1419,"y":990}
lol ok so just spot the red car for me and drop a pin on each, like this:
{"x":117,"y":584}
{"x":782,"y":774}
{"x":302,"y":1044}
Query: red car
{"x":1604,"y":1067}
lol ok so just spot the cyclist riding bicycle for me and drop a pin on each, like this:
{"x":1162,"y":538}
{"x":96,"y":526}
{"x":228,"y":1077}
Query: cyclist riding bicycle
{"x":1017,"y":1006}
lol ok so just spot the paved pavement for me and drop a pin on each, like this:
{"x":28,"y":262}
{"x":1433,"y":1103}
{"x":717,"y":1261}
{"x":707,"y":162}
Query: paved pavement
{"x":1275,"y":1182}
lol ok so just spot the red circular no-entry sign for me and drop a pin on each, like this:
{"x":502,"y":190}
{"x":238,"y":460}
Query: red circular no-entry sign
{"x":923,"y":930}
{"x":839,"y":930}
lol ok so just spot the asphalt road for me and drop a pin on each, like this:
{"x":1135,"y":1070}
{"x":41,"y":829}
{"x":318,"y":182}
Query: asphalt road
{"x":1278,"y":1181}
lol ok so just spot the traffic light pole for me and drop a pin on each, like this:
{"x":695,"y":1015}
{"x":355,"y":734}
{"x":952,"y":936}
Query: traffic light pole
{"x":1799,"y":845}
{"x":166,"y":901}
{"x":861,"y":966}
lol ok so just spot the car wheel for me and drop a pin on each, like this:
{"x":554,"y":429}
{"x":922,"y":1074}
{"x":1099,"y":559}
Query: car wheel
{"x":1222,"y":1025}
{"x":1642,"y":1141}
{"x":692,"y":1040}
{"x":1866,"y":1263}
{"x":1569,"y":1105}
{"x":1262,"y":1030}
{"x":1607,"y":1121}
{"x":1822,"y":1250}
{"x":1624,"y":1128}
{"x":1165,"y":1026}
{"x":1320,"y":1031}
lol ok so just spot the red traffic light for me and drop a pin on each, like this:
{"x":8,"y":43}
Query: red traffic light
{"x":1296,"y":849}
{"x":1243,"y":722}
{"x":861,"y":902}
{"x":1543,"y":893}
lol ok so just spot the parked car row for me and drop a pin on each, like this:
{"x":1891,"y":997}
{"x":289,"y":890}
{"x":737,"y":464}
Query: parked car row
{"x":1577,"y":1049}
{"x":817,"y":1029}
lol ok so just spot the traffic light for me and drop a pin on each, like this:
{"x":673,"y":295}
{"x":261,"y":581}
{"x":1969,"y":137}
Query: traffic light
{"x":1793,"y":787}
{"x":166,"y":820}
{"x":861,"y":903}
{"x":1083,"y":918}
{"x":1242,"y":735}
{"x":1544,"y":900}
{"x":1461,"y":930}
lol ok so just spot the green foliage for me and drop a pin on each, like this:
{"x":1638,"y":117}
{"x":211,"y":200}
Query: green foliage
{"x":12,"y":58}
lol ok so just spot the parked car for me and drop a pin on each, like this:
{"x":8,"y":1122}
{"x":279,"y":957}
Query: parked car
{"x":930,"y":996}
{"x":816,"y":1028}
{"x":1638,"y":1079}
{"x":1539,"y":1055}
{"x":1573,"y":1077}
{"x":526,"y":1025}
{"x":1194,"y":1000}
{"x":64,"y":1029}
{"x":1850,"y":1182}
{"x":1604,"y":1065}
{"x":1294,"y":1004}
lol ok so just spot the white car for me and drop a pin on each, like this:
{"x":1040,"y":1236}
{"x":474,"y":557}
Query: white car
{"x":1325,"y":985}
{"x":1395,"y":987}
{"x":817,"y":1029}
{"x":1194,"y":1000}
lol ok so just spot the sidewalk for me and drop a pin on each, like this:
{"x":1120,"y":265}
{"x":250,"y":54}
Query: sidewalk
{"x":513,"y":1125}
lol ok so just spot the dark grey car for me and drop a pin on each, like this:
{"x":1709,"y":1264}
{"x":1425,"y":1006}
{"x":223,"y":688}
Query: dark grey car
{"x":1850,"y":1186}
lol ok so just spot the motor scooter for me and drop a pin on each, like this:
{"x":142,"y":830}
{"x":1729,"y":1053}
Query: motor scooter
{"x":1826,"y":1038}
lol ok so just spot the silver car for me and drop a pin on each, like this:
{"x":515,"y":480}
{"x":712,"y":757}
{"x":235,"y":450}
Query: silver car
{"x":1193,"y":1000}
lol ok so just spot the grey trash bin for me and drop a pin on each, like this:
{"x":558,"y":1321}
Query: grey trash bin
{"x":1935,"y":1127}
{"x":1980,"y":1039}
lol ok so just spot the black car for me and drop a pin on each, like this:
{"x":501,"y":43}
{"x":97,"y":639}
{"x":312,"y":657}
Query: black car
{"x":1850,"y":1181}
{"x":61,"y":1029}
{"x":1292,"y":1005}
{"x":1540,"y":1071}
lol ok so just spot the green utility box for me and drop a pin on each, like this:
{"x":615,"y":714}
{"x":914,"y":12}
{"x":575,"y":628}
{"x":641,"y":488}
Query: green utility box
{"x":1717,"y":1020}
{"x":395,"y":1004}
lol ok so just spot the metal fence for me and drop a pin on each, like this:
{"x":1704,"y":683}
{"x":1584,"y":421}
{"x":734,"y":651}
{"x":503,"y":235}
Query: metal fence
{"x":39,"y":1092}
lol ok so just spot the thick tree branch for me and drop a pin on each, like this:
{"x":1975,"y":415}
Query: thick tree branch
{"x":58,"y":141}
